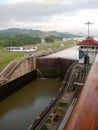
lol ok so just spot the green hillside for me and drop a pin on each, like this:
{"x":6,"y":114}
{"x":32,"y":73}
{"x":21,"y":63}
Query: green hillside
{"x":20,"y":37}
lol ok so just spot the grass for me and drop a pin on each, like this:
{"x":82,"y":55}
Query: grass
{"x":48,"y":121}
{"x":6,"y":57}
{"x":55,"y":111}
{"x":43,"y":128}
{"x":63,"y":105}
{"x":55,"y":45}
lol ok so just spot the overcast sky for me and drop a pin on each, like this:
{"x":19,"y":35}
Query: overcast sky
{"x":47,"y":15}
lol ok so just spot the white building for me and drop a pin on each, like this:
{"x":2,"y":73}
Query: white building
{"x":87,"y":50}
{"x":28,"y":48}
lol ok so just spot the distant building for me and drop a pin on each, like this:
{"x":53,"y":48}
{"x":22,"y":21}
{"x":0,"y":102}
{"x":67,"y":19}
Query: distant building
{"x":87,"y":50}
{"x":28,"y":48}
{"x":42,"y":40}
{"x":64,"y":39}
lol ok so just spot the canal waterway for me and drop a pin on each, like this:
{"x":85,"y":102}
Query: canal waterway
{"x":19,"y":110}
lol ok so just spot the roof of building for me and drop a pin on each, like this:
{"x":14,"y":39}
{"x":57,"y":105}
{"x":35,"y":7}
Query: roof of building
{"x":30,"y":46}
{"x":89,"y":41}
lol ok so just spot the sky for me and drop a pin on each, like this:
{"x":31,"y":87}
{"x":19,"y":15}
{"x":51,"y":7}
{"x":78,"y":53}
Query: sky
{"x":47,"y":15}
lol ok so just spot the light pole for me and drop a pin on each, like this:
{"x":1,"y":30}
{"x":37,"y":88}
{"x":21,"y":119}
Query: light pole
{"x":88,"y":23}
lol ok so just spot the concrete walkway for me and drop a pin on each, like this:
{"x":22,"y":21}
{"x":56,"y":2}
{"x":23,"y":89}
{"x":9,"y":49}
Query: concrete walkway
{"x":70,"y":53}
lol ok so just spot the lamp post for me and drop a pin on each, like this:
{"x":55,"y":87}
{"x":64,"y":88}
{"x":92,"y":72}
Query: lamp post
{"x":88,"y":23}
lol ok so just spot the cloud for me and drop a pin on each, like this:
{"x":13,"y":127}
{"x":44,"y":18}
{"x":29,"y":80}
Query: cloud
{"x":30,"y":12}
{"x":24,"y":13}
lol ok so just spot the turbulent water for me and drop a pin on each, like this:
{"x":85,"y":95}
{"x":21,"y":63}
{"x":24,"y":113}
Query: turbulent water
{"x":20,"y":109}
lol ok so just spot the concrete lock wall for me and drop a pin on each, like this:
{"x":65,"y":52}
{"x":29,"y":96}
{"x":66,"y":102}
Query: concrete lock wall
{"x":21,"y":73}
{"x":24,"y":67}
{"x":51,"y":67}
{"x":27,"y":69}
{"x":11,"y":87}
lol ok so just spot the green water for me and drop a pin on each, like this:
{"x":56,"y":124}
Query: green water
{"x":19,"y":110}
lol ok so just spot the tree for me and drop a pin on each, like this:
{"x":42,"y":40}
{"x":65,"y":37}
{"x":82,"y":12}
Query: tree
{"x":49,"y":39}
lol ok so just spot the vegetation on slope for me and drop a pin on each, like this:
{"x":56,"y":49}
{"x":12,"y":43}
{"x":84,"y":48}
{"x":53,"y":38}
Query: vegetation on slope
{"x":20,"y":37}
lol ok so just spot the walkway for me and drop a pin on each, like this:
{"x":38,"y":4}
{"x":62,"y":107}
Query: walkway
{"x":70,"y":53}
